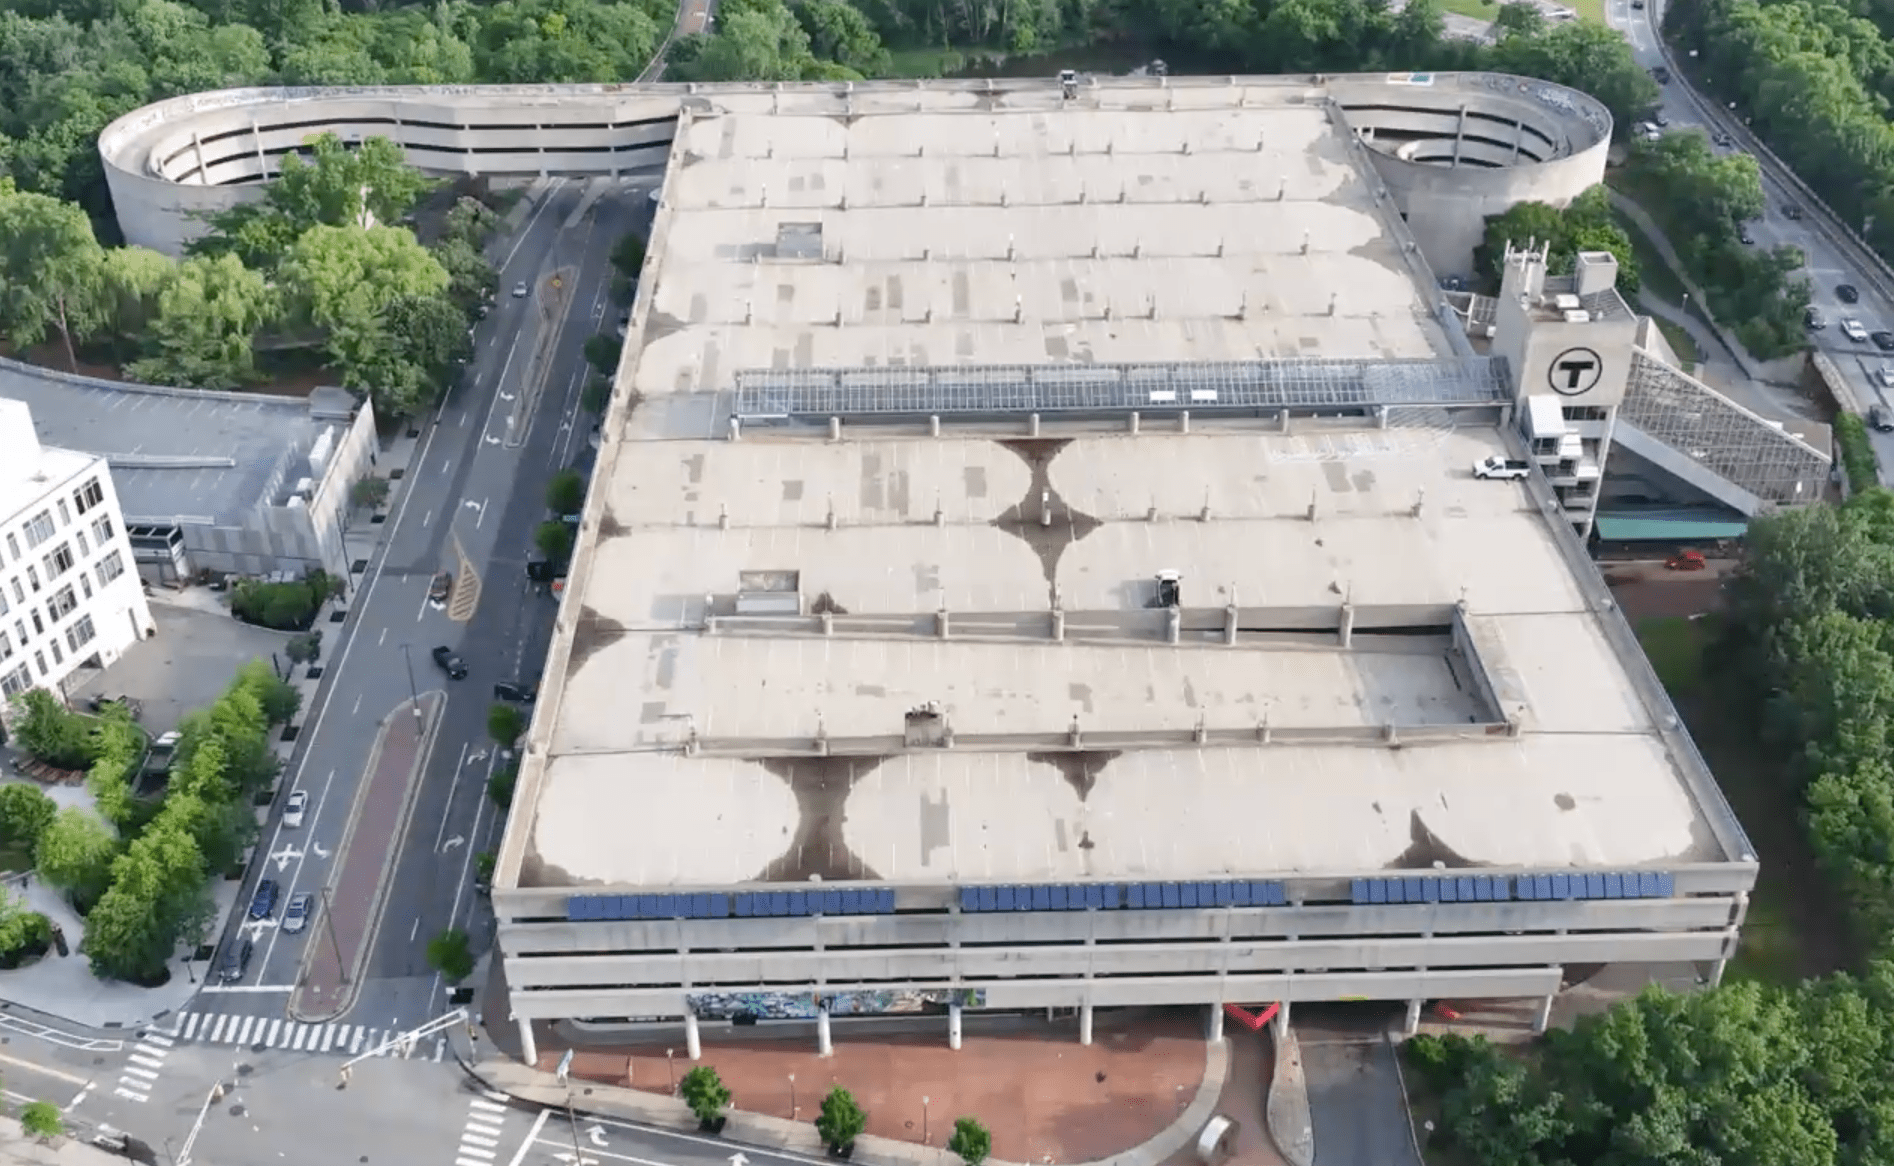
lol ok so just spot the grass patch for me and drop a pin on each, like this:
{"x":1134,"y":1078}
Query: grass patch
{"x":1796,"y":927}
{"x":15,"y":858}
{"x":1681,"y":342}
{"x":1592,"y":10}
{"x":1658,"y":277}
{"x":921,"y":63}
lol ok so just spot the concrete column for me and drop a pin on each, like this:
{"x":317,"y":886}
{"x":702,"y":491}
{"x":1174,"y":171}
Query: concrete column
{"x":824,"y":1040}
{"x":1282,"y":1020}
{"x":1216,"y":1023}
{"x":1085,"y":1023}
{"x":1058,"y":626}
{"x":1229,"y":629}
{"x":529,"y":1051}
{"x":953,"y":1026}
{"x":1413,"y":1017}
{"x":1347,"y":627}
{"x":693,"y":1040}
{"x":1542,"y":1019}
{"x":1173,"y":625}
{"x":1716,"y":972}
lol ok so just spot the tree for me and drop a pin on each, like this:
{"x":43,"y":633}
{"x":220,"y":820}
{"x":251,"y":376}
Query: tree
{"x":1585,"y":225}
{"x":1703,"y":192}
{"x":971,"y":1141}
{"x":448,"y":954}
{"x":41,"y":1119}
{"x":565,"y":493}
{"x":25,"y":812}
{"x":484,"y":862}
{"x":369,"y":493}
{"x":554,"y":540}
{"x":75,"y":854}
{"x":208,"y":315}
{"x":52,"y":270}
{"x":705,"y":1093}
{"x":471,"y":280}
{"x":500,"y":786}
{"x":838,"y":31}
{"x":132,"y":280}
{"x":470,"y":222}
{"x":628,"y":255}
{"x":597,"y":394}
{"x":505,"y":724}
{"x":24,"y":934}
{"x":304,"y":647}
{"x":51,"y":733}
{"x":335,"y":186}
{"x":601,"y":352}
{"x":841,"y":1120}
{"x":158,"y":895}
{"x":1587,"y":56}
{"x":759,"y":40}
{"x":536,"y":41}
{"x":1519,"y":18}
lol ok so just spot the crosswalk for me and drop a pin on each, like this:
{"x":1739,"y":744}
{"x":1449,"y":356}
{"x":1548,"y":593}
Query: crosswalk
{"x":480,"y":1134}
{"x":274,"y":1032}
{"x":143,"y":1065}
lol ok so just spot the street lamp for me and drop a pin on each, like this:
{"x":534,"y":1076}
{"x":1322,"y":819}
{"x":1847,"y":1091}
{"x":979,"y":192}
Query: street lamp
{"x":413,"y":691}
{"x":923,"y":1119}
{"x":792,"y":1097}
{"x":670,"y":1067}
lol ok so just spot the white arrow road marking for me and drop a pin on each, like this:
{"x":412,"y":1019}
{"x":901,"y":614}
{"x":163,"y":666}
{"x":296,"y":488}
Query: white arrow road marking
{"x":597,"y":1134}
{"x":739,"y":1159}
{"x":320,"y":852}
{"x":479,"y":755}
{"x":448,"y":845}
{"x":284,"y":857}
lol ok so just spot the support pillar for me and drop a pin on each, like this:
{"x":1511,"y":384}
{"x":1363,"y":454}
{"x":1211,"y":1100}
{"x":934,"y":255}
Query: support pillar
{"x":1229,"y":637}
{"x":1542,"y":1019}
{"x":693,"y":1040}
{"x":1216,"y":1023}
{"x":1282,"y":1021}
{"x":1716,"y":973}
{"x":953,"y":1026}
{"x":1413,"y":1017}
{"x":1173,"y":625}
{"x":529,"y":1051}
{"x":824,"y":1039}
{"x":1085,"y":1023}
{"x":1347,"y":626}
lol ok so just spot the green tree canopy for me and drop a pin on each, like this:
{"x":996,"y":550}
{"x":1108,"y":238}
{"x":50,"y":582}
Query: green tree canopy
{"x":1585,"y":225}
{"x":75,"y":854}
{"x":971,"y":1141}
{"x":565,"y":493}
{"x":52,"y":269}
{"x":208,"y":315}
{"x":25,"y":812}
{"x":841,"y":1120}
{"x":705,"y":1093}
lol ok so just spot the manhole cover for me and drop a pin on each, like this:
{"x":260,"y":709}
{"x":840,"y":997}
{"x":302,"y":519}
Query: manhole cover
{"x":378,"y":519}
{"x":338,"y":615}
{"x":395,"y":474}
{"x":314,"y":673}
{"x":358,"y":566}
{"x":244,"y":1070}
{"x":237,"y":1111}
{"x":290,"y":731}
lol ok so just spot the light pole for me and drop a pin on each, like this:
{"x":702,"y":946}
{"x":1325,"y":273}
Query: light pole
{"x":923,"y":1119}
{"x":670,"y":1067}
{"x":792,"y":1097}
{"x":328,"y":920}
{"x":413,"y":691}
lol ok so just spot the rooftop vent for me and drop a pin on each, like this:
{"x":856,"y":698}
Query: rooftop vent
{"x":1577,"y":315}
{"x":1566,"y":302}
{"x":769,"y":593}
{"x":801,"y":241}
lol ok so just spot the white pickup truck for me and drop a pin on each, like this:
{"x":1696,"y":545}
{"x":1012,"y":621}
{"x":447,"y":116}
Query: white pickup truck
{"x":1502,"y":468}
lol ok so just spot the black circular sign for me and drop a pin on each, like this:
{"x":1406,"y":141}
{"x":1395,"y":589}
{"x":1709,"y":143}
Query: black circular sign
{"x":1574,"y":372}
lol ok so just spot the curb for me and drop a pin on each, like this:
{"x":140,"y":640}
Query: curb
{"x":1286,"y":1111}
{"x":799,"y":1139}
{"x":352,"y":983}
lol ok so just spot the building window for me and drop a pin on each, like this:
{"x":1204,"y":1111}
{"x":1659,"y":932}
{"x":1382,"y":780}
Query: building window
{"x":58,"y":657}
{"x":85,"y":548}
{"x":102,"y":530}
{"x":39,"y":625}
{"x":80,"y":633}
{"x":13,"y":546}
{"x":39,"y":661}
{"x":85,"y":584}
{"x":1585,"y":412}
{"x":88,"y":496}
{"x":16,"y":681}
{"x":59,"y":562}
{"x":19,"y":592}
{"x":110,"y":568}
{"x":38,"y":529}
{"x":6,"y":647}
{"x":32,"y":577}
{"x":62,"y":604}
{"x":65,"y":515}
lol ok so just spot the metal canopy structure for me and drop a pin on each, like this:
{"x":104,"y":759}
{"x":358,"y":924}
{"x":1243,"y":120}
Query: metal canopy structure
{"x":817,"y":394}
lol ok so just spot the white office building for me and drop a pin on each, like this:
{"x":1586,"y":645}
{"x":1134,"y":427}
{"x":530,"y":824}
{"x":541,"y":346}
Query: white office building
{"x":70,"y":598}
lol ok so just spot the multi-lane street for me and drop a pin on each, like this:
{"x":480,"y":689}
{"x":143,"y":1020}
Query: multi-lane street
{"x":1832,"y":260}
{"x":468,"y":503}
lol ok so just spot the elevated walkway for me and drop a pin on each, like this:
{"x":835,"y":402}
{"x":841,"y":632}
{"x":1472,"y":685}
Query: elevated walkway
{"x":1702,"y":437}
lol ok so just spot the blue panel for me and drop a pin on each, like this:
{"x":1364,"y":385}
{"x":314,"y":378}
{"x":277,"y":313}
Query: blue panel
{"x":1223,"y":894}
{"x":1094,"y":896}
{"x":605,"y":907}
{"x":1278,"y":894}
{"x":799,"y":903}
{"x":1240,"y":894}
{"x":700,"y":906}
{"x":832,"y":901}
{"x":1061,"y":897}
{"x":1041,"y":898}
{"x":884,"y":901}
{"x":1595,"y":885}
{"x":1114,"y":894}
{"x":989,"y":898}
{"x":1482,"y":888}
{"x":1528,"y":887}
{"x":742,"y":905}
{"x":1397,"y":890}
{"x":1449,"y":890}
{"x":1134,"y":896}
{"x":854,"y":902}
{"x":1003,"y":898}
{"x":1359,"y":890}
{"x":1562,"y":887}
{"x":1542,"y":886}
{"x":1666,"y":884}
{"x":1187,"y":894}
{"x":678,"y":907}
{"x":595,"y":906}
{"x":1463,"y":888}
{"x":1206,"y":894}
{"x":578,"y":908}
{"x":1377,"y":891}
{"x":1417,"y":890}
{"x":969,"y":899}
{"x":1022,"y":898}
{"x":779,"y":903}
{"x":1078,"y":896}
{"x":648,"y":908}
{"x":1502,"y":887}
{"x":1170,"y":895}
{"x":1614,"y":885}
{"x":624,"y":907}
{"x":720,"y":906}
{"x":1648,"y":883}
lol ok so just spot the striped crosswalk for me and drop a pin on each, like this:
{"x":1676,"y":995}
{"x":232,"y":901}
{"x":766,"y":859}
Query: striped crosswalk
{"x":143,"y":1065}
{"x":480,"y":1135}
{"x":274,"y":1032}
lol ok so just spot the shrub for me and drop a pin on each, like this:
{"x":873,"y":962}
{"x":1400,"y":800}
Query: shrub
{"x":75,"y":854}
{"x":287,"y":607}
{"x":705,"y":1093}
{"x":369,"y":493}
{"x":304,"y":648}
{"x":971,"y":1141}
{"x":505,"y":724}
{"x":25,"y":812}
{"x":628,"y":255}
{"x":42,"y":1120}
{"x":554,"y":540}
{"x":566,"y":492}
{"x":1857,"y":454}
{"x":841,"y":1120}
{"x":448,"y":954}
{"x":484,"y":863}
{"x":52,"y":733}
{"x":597,"y":395}
{"x":23,"y":934}
{"x":500,"y":786}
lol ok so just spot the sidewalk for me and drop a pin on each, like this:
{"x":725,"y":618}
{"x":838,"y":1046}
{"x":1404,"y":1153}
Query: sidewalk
{"x":1137,"y":1097}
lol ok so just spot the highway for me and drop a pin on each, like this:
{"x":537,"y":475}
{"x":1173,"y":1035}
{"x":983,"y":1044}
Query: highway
{"x":468,"y":504}
{"x":1832,"y":259}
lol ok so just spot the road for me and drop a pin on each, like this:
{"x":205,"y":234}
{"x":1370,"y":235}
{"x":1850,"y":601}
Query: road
{"x":468,"y":504}
{"x":1831,"y":260}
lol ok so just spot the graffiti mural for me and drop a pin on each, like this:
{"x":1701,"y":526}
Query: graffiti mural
{"x":806,"y":1005}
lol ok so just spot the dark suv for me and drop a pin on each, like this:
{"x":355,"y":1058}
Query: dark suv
{"x":263,"y":905}
{"x":236,"y":962}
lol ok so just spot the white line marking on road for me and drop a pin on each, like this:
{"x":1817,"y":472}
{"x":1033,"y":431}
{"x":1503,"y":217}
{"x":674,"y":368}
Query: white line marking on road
{"x":440,"y":1051}
{"x":476,"y":1151}
{"x":489,"y":1106}
{"x":496,"y":1095}
{"x":328,"y":1037}
{"x":141,"y":1098}
{"x":415,"y":930}
{"x":382,"y":639}
{"x":358,"y":705}
{"x":145,"y":1074}
{"x":147,"y":1062}
{"x":157,"y":1039}
{"x":243,"y":1031}
{"x":216,"y":1036}
{"x":296,"y":1041}
{"x":45,"y":1069}
{"x":190,"y":1025}
{"x":469,"y":1139}
{"x":251,"y":989}
{"x":657,"y":1133}
{"x":276,"y":1026}
{"x":532,"y":1135}
{"x":451,"y":787}
{"x":468,"y":1162}
{"x":355,"y":1042}
{"x":425,"y":516}
{"x":81,"y":1095}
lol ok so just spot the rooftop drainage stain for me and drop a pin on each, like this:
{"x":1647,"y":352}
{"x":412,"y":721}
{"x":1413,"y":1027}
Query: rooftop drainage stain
{"x":1426,"y":850}
{"x":1042,"y":519}
{"x":821,"y":786}
{"x":591,"y":633}
{"x":1080,"y":771}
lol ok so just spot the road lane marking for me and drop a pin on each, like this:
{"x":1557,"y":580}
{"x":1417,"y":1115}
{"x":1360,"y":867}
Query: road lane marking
{"x":314,"y":818}
{"x":147,"y":1062}
{"x":70,"y":1040}
{"x":47,"y":1070}
{"x":140,"y":1098}
{"x":656,"y":1132}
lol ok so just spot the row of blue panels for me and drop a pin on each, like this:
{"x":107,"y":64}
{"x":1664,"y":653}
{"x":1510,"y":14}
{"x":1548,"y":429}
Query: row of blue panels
{"x":870,"y":901}
{"x":1641,"y":884}
{"x":1113,"y":896}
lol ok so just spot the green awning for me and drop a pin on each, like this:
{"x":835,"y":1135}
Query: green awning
{"x":1667,"y":526}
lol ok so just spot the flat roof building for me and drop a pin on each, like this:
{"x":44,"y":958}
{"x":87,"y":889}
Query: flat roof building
{"x":70,"y":600}
{"x":1035,"y":560}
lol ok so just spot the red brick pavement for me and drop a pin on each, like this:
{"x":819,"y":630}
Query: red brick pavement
{"x":361,"y":863}
{"x":1044,"y":1096}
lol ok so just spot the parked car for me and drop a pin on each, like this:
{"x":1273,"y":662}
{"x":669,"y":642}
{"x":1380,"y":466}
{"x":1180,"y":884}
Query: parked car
{"x":1661,"y":75}
{"x":519,"y":290}
{"x":1723,"y":139}
{"x":1854,"y":330}
{"x":294,"y":807}
{"x":1813,"y":320}
{"x":1885,"y":374}
{"x":236,"y":962}
{"x":1791,"y":211}
{"x":263,"y":904}
{"x":441,"y":587}
{"x":450,"y":663}
{"x":516,"y":690}
{"x":300,"y":911}
{"x":1847,"y":293}
{"x":1501,"y":468}
{"x":1743,"y":233}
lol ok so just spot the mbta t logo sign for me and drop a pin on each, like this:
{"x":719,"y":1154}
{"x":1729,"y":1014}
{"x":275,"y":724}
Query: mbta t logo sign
{"x":1574,"y":372}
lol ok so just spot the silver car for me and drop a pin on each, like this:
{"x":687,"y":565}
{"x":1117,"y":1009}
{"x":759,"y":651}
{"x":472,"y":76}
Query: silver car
{"x":301,"y":909}
{"x":294,"y":807}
